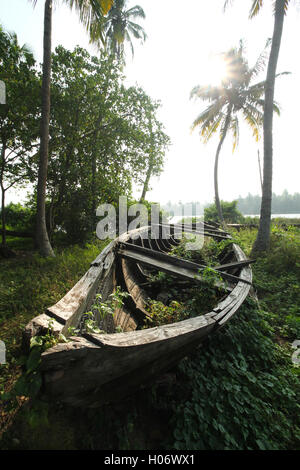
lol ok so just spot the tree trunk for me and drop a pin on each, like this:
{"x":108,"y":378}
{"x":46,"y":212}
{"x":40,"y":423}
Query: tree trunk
{"x":262,"y":241}
{"x":42,"y":239}
{"x":146,"y":183}
{"x":216,"y":182}
{"x":260,"y":172}
{"x":3,"y":221}
{"x":150,"y":167}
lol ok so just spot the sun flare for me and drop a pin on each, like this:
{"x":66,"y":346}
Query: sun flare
{"x":214,"y":71}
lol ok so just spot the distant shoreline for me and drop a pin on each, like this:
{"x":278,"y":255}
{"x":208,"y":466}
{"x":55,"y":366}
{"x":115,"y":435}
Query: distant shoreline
{"x":176,"y":218}
{"x":274,"y":216}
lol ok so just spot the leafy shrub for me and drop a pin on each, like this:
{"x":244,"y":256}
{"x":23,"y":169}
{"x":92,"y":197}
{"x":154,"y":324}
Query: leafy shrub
{"x":20,"y":218}
{"x":230,"y":213}
{"x":162,"y":314}
{"x":239,"y":391}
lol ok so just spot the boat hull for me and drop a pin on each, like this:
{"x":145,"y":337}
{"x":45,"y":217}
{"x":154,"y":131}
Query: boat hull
{"x":95,"y":369}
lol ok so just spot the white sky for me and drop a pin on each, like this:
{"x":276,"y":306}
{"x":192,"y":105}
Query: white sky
{"x":181,"y":36}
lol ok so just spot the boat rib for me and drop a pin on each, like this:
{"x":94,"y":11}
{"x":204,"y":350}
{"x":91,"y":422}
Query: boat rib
{"x":97,"y":368}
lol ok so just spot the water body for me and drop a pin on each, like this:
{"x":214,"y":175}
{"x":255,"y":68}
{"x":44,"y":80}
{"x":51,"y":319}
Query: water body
{"x":177,"y":218}
{"x":274,"y":216}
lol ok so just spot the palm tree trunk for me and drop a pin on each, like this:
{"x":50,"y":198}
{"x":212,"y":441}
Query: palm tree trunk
{"x":42,"y":239}
{"x":216,"y":180}
{"x":3,"y":221}
{"x":262,"y":241}
{"x":260,"y":172}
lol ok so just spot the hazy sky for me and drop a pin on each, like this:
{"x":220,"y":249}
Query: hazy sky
{"x":181,"y":38}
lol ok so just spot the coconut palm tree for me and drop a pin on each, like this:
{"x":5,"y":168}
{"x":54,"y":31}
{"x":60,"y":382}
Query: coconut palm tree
{"x":90,"y":11}
{"x":234,"y":99}
{"x":119,"y":28}
{"x":262,"y":241}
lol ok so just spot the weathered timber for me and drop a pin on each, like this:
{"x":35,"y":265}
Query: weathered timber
{"x":107,"y":358}
{"x":100,"y":368}
{"x":169,"y":263}
{"x":234,"y":264}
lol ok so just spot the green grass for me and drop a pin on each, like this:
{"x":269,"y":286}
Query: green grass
{"x":276,"y":279}
{"x":28,"y":285}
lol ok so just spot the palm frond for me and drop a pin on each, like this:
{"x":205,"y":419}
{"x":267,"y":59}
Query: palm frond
{"x":128,"y":39}
{"x":206,"y":92}
{"x":136,"y":12}
{"x":276,"y":108}
{"x":285,"y":6}
{"x":211,"y":129}
{"x":137,"y":30}
{"x":261,"y":62}
{"x":255,"y":8}
{"x":235,"y":128}
{"x":209,"y":114}
{"x":227,"y":3}
{"x":254,"y":122}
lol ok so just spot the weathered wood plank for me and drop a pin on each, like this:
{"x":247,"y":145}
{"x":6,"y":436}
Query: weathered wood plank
{"x":231,"y":303}
{"x":165,"y":266}
{"x":180,"y":229}
{"x":132,"y":252}
{"x":234,"y":264}
{"x":106,"y":368}
{"x":138,"y":295}
{"x":39,"y":326}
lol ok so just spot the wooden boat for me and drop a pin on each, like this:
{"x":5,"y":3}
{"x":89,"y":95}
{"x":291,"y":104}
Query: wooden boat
{"x":94,"y":369}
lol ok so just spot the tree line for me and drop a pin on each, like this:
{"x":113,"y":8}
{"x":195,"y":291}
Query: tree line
{"x":284,"y":203}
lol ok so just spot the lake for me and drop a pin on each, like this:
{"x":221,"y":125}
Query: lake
{"x":176,"y":218}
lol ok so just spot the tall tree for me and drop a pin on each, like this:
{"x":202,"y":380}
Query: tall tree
{"x":18,"y":117}
{"x":100,"y":139}
{"x":262,"y":241}
{"x":155,"y":150}
{"x":236,"y":97}
{"x":89,"y":11}
{"x":119,"y":28}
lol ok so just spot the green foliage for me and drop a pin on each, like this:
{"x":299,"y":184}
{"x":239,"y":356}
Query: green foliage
{"x":184,"y":299}
{"x":29,"y":383}
{"x":30,"y":284}
{"x":101,"y":311}
{"x":229,"y":210}
{"x":19,"y":218}
{"x":109,"y":145}
{"x":239,"y":390}
{"x":119,"y":28}
{"x":162,"y":314}
{"x":19,"y":127}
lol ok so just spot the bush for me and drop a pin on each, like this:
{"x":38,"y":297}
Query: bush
{"x":20,"y":218}
{"x":230,"y":213}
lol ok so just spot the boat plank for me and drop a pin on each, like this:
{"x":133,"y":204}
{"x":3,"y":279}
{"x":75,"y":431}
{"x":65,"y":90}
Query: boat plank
{"x":165,"y":266}
{"x":135,"y":250}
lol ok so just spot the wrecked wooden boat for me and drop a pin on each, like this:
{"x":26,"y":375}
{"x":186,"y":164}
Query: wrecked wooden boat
{"x":97,"y":368}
